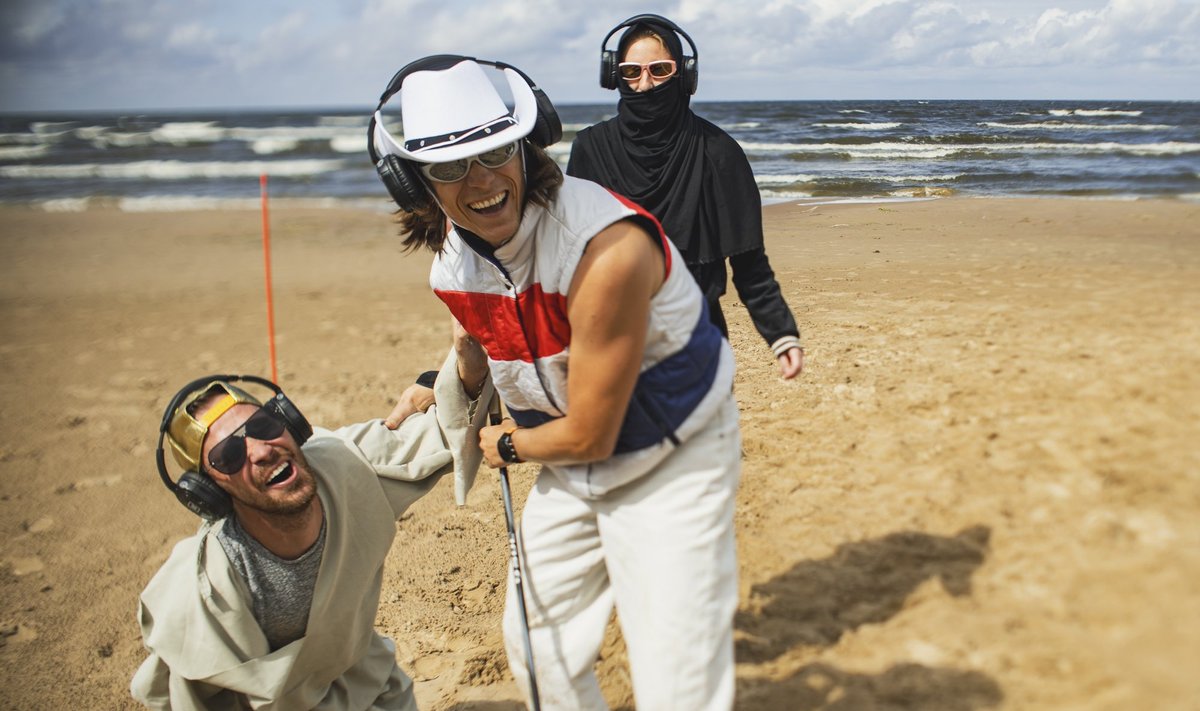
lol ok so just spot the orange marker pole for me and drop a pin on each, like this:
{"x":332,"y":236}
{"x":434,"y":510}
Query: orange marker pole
{"x":266,"y":231}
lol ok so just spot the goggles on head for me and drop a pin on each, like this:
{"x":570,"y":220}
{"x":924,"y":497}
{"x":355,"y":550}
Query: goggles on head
{"x":455,"y":170}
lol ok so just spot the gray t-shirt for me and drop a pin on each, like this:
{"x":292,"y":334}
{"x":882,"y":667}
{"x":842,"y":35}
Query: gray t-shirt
{"x":282,"y":590}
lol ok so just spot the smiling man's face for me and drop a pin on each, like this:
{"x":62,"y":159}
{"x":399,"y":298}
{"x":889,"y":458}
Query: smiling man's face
{"x":273,"y":479}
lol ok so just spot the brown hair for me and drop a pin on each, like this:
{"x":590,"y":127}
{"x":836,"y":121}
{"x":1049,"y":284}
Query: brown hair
{"x":640,"y":32}
{"x":426,"y":225}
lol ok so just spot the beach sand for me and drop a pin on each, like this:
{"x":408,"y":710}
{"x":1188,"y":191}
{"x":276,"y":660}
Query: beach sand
{"x":983,"y":492}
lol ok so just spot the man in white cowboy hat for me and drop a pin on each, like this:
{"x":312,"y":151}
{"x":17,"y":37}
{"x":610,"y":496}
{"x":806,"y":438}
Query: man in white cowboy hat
{"x":614,"y":377}
{"x":272,"y":603}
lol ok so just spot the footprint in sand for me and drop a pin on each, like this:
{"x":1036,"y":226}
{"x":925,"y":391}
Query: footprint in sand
{"x":25,"y":566}
{"x":17,"y":632}
{"x":89,"y":483}
{"x":43,"y":524}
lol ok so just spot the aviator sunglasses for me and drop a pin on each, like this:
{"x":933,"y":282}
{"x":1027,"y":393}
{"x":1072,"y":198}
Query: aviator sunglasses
{"x":659,"y":69}
{"x":229,"y":455}
{"x":455,"y":170}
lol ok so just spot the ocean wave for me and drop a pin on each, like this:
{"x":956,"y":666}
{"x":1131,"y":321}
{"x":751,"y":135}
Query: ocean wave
{"x":1068,"y":126}
{"x":741,"y":125}
{"x":359,"y":122}
{"x":172,"y":170}
{"x":23,"y":152}
{"x":349,"y":144}
{"x":882,"y":126}
{"x":1093,"y":112}
{"x":853,"y":111}
{"x":273,"y":145}
{"x":20,"y":139}
{"x":895,"y":149}
{"x":772,"y":180}
{"x":179,"y":133}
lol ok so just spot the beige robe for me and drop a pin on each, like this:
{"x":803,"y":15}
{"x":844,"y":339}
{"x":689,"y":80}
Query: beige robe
{"x":206,"y":651}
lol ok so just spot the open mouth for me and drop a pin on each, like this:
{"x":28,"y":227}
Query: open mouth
{"x":490,"y":206}
{"x":282,"y":474}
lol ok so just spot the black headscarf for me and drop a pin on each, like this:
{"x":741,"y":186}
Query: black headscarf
{"x":688,"y":173}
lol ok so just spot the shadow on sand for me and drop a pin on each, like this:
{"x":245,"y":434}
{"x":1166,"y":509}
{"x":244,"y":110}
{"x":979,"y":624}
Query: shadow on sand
{"x":815,"y":602}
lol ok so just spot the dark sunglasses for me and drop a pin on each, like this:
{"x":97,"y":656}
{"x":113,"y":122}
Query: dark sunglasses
{"x":456,"y":170}
{"x":661,"y":69}
{"x":229,"y":455}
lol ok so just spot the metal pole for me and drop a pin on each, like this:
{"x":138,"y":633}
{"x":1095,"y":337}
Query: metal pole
{"x":515,"y":560}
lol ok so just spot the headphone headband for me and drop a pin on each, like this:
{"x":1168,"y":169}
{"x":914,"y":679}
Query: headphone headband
{"x":657,"y":19}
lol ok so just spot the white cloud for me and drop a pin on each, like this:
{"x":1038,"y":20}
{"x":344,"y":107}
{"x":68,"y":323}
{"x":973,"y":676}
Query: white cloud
{"x":264,"y":52}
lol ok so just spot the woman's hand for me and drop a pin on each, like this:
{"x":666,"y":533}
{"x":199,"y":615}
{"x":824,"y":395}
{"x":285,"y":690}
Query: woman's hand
{"x":488,"y":436}
{"x":791,"y":362}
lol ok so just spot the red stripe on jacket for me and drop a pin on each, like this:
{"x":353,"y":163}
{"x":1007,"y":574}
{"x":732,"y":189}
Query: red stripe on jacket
{"x":533,"y":325}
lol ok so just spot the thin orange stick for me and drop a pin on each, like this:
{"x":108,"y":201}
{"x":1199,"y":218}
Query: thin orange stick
{"x":266,"y":230}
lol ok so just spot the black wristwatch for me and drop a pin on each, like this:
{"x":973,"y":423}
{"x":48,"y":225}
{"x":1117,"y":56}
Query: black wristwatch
{"x":504,"y":446}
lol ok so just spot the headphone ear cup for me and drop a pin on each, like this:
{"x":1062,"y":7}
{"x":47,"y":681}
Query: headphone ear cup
{"x":402,"y":182}
{"x":295,"y":422}
{"x":547,"y":130}
{"x":202,"y":496}
{"x":691,"y":74}
{"x":608,"y":69}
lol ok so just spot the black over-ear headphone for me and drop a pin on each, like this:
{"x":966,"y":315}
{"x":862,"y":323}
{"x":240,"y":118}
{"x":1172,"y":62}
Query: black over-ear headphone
{"x":197,"y":491}
{"x":399,"y":176}
{"x":610,"y":59}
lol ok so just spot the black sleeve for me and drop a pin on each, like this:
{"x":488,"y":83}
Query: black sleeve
{"x":759,"y":291}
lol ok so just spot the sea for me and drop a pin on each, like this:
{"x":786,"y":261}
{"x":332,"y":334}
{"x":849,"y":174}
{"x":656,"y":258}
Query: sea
{"x":827,"y":151}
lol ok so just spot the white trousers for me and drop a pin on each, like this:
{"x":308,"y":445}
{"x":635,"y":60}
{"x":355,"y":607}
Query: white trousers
{"x":662,"y":550}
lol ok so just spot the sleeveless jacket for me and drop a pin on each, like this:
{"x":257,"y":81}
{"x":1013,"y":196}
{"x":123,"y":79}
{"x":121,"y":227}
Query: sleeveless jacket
{"x":513,"y":300}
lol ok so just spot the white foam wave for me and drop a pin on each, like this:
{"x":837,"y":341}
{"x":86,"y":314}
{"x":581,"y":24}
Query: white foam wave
{"x":1094,"y":112}
{"x":852,"y":111}
{"x":887,"y":149}
{"x":270,"y":146}
{"x":893,"y":149}
{"x":915,"y":178}
{"x":296,"y":133}
{"x":881,"y":126}
{"x":792,"y":179}
{"x":53,"y":128}
{"x":179,"y":133}
{"x":741,"y":125}
{"x":1068,"y":126}
{"x":171,"y":170}
{"x":20,"y":139}
{"x":22,"y":152}
{"x":65,"y":205}
{"x":122,"y":139}
{"x":349,"y":144}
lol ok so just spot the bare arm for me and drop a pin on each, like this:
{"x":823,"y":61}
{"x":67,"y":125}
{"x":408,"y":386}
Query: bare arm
{"x":609,"y":309}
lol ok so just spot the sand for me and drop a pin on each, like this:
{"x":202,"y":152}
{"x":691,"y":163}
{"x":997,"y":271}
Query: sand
{"x":982,"y":493}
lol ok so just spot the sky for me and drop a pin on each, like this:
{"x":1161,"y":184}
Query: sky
{"x":125,"y":55}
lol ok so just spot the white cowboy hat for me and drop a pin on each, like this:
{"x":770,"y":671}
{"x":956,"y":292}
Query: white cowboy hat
{"x":455,"y":113}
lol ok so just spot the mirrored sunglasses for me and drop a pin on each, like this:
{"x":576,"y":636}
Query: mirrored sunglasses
{"x":660,"y":69}
{"x":456,"y":170}
{"x":229,"y":455}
